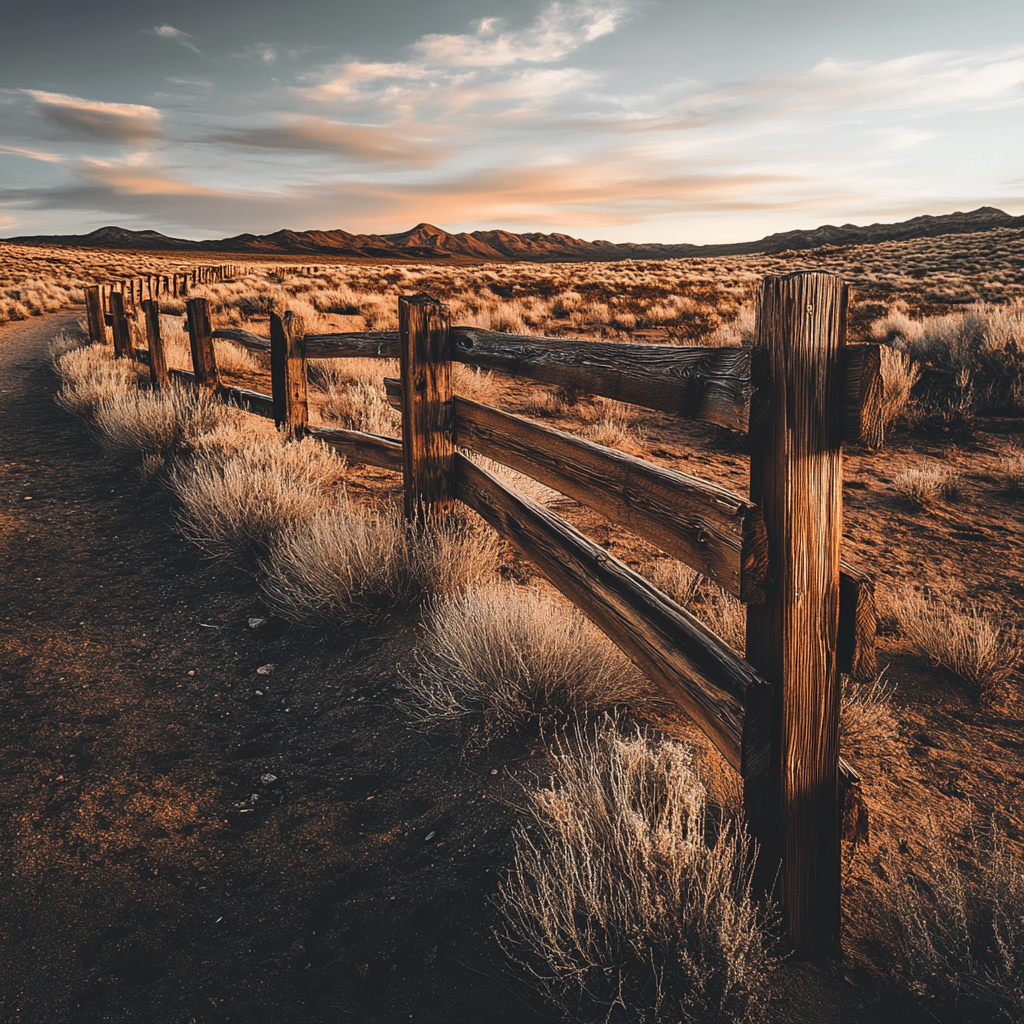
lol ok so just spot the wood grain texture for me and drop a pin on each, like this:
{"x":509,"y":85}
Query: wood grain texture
{"x":863,"y":395}
{"x":200,"y":336}
{"x":94,"y":316}
{"x":427,"y":444}
{"x":796,"y":478}
{"x":858,"y":624}
{"x":295,"y":382}
{"x":357,"y":446}
{"x":353,"y":345}
{"x":704,"y":677}
{"x":157,"y":357}
{"x":711,"y":384}
{"x":119,"y":327}
{"x":710,"y":528}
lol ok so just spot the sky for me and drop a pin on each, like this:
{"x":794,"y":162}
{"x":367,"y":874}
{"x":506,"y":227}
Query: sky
{"x":631,"y":120}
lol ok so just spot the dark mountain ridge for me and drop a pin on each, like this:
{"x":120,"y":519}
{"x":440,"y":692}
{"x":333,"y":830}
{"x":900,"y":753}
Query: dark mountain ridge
{"x":425,"y":242}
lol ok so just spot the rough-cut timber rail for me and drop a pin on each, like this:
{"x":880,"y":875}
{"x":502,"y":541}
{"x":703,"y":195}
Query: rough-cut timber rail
{"x":711,"y":683}
{"x":709,"y":527}
{"x":370,"y":449}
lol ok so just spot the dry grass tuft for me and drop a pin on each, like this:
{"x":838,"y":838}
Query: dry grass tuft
{"x":234,"y":509}
{"x":505,"y":656}
{"x":153,"y":424}
{"x":722,"y":613}
{"x":348,"y":565}
{"x":614,"y":432}
{"x":869,"y":728}
{"x":630,"y":901}
{"x":90,"y":377}
{"x":963,"y":640}
{"x":899,"y":375}
{"x":958,"y":925}
{"x":924,"y":487}
{"x":361,"y":406}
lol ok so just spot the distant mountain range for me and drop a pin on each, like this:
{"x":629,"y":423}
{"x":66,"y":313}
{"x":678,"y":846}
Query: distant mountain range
{"x":426,"y":242}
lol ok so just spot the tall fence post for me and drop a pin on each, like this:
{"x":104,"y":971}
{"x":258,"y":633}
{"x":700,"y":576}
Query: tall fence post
{"x":288,"y":383}
{"x":200,"y":336}
{"x":94,"y":314}
{"x":427,"y":446}
{"x":157,"y":358}
{"x":119,"y":329}
{"x":796,"y":478}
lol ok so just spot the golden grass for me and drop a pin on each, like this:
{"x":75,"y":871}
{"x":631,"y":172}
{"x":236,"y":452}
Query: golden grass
{"x":722,"y":613}
{"x":957,"y":922}
{"x":347,"y":564}
{"x":503,"y":656}
{"x":629,"y":899}
{"x":926,"y":486}
{"x":91,"y":377}
{"x":235,"y":508}
{"x":963,"y":639}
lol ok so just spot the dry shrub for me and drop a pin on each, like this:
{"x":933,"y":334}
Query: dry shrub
{"x":515,"y":480}
{"x":899,"y":375}
{"x":958,"y":926}
{"x":504,"y":656}
{"x":964,"y":640}
{"x":923,"y":487}
{"x":232,"y":358}
{"x":91,"y":376}
{"x":337,"y":373}
{"x":361,"y":406}
{"x":869,"y":728}
{"x":235,"y":508}
{"x":545,"y":404}
{"x":153,"y":424}
{"x":347,"y":564}
{"x":722,"y":613}
{"x":472,"y":382}
{"x":629,"y":900}
{"x":62,"y":343}
{"x":613,"y":432}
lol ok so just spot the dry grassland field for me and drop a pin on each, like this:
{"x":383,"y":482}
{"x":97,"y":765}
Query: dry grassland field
{"x":272,"y":758}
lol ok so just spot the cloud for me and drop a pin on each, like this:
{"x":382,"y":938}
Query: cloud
{"x":135,"y":176}
{"x":348,"y":85}
{"x":560,"y":29}
{"x":403,"y":145}
{"x":32,"y":154}
{"x":198,"y":83}
{"x":175,"y":35}
{"x":97,"y":121}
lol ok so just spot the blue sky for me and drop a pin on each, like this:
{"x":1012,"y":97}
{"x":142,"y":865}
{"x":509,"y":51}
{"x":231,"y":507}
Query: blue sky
{"x":632,"y":121}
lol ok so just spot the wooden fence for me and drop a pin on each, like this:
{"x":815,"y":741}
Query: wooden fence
{"x":801,"y":392}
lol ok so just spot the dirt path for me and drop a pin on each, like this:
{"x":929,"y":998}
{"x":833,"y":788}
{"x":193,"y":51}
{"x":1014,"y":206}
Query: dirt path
{"x":143,"y":880}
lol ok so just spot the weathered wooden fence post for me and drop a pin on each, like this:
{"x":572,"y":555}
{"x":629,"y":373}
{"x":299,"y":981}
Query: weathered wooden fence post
{"x":122,"y":335}
{"x":796,"y":478}
{"x":157,"y":359}
{"x":288,"y":384}
{"x":94,"y":314}
{"x":427,"y":445}
{"x":200,"y":336}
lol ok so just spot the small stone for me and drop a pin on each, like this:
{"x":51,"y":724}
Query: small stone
{"x":429,"y":836}
{"x":259,"y":693}
{"x":494,"y":771}
{"x":28,"y":497}
{"x":256,"y":622}
{"x":265,"y":670}
{"x":268,"y":779}
{"x":191,"y":671}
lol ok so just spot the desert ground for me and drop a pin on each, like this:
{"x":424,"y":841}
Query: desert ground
{"x":233,"y":796}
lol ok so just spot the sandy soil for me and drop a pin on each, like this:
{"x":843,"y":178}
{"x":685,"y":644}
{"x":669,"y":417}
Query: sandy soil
{"x":186,"y":839}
